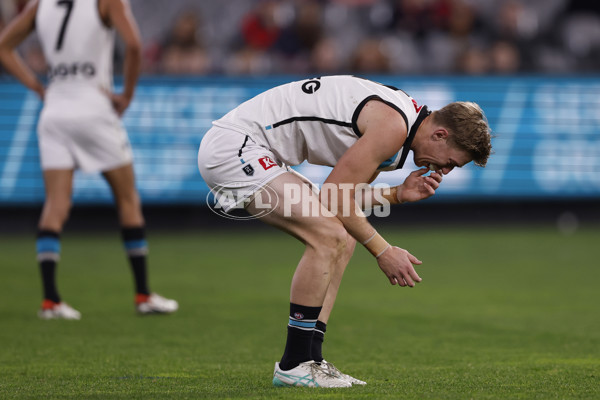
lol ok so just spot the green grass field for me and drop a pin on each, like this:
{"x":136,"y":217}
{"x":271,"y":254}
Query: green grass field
{"x":501,"y":313}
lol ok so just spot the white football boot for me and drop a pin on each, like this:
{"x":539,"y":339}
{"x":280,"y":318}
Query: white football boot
{"x":52,"y":310}
{"x":337,"y":373}
{"x":307,"y":374}
{"x":155,"y":304}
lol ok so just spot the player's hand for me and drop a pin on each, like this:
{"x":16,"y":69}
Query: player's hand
{"x":397,"y":265}
{"x":417,"y":187}
{"x":119,"y":102}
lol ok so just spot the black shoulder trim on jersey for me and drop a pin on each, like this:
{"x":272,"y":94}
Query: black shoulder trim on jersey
{"x":362,"y":105}
{"x":318,"y":119}
{"x":411,"y":135}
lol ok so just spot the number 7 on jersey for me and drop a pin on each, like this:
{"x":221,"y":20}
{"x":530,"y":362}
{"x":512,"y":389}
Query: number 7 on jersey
{"x":68,"y":4}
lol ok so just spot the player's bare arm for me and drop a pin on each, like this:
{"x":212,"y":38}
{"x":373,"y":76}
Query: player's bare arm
{"x":10,"y":38}
{"x":383,"y":134}
{"x":117,"y":13}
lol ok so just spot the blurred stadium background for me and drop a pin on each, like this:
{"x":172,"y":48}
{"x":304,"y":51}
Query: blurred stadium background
{"x":532,"y":66}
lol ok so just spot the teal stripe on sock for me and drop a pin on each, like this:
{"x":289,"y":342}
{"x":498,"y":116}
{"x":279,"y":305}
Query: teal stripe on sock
{"x":135,"y":244}
{"x":48,"y":245}
{"x":302,"y":324}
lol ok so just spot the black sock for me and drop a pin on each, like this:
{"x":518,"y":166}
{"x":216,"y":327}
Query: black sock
{"x":299,"y":337}
{"x":317,"y":341}
{"x":136,"y":247}
{"x":48,"y":272}
{"x":48,"y":254}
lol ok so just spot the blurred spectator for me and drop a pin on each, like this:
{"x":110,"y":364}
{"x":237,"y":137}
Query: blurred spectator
{"x":364,"y":36}
{"x":505,"y":58}
{"x":355,"y":2}
{"x":457,"y":37}
{"x":516,"y":21}
{"x":580,"y":33}
{"x":249,"y":61}
{"x":405,"y":55}
{"x":380,"y":17}
{"x":259,"y":32}
{"x":299,"y":37}
{"x":325,"y":58}
{"x":305,"y":31}
{"x":519,"y":24}
{"x":462,"y":19}
{"x":474,"y":61}
{"x":370,"y":58}
{"x":184,"y":52}
{"x":413,"y":16}
{"x":259,"y":29}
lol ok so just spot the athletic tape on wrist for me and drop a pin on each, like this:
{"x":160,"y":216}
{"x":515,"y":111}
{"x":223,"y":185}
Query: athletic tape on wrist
{"x":383,"y":251}
{"x":369,"y":239}
{"x":376,"y":245}
{"x":392,"y":197}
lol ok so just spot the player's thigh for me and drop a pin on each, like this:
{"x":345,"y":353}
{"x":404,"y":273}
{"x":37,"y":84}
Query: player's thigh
{"x":289,"y":203}
{"x":122,"y":182}
{"x":58,"y":185}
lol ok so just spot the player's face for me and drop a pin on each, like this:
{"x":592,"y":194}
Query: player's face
{"x":442,"y":155}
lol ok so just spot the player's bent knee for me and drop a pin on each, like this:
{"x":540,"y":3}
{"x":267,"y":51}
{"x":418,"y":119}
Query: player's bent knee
{"x":330,"y":241}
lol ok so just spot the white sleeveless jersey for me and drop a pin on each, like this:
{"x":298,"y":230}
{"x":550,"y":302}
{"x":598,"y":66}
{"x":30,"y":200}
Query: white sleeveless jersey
{"x":316,"y":119}
{"x":77,"y":45}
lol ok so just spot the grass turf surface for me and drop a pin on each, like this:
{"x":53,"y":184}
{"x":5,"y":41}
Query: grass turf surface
{"x":502,"y":313}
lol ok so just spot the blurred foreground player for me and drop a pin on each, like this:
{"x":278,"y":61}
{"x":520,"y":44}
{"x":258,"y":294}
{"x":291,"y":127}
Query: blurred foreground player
{"x":80,"y":127}
{"x":360,"y":128}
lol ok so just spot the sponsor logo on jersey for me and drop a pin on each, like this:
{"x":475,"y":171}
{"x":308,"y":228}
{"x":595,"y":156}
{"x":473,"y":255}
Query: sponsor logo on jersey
{"x":309,"y":87}
{"x":266,"y":162}
{"x":417,"y":107}
{"x":62,"y":70}
{"x":248,"y":170}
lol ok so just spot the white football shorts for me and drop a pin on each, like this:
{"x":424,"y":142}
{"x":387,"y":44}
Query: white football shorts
{"x":235,"y":167}
{"x":88,"y":136}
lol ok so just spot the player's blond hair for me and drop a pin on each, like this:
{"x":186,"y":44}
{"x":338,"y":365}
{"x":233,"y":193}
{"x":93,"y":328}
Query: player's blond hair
{"x":468,"y":128}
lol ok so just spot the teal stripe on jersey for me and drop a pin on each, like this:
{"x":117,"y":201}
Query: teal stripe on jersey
{"x":388,"y":162}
